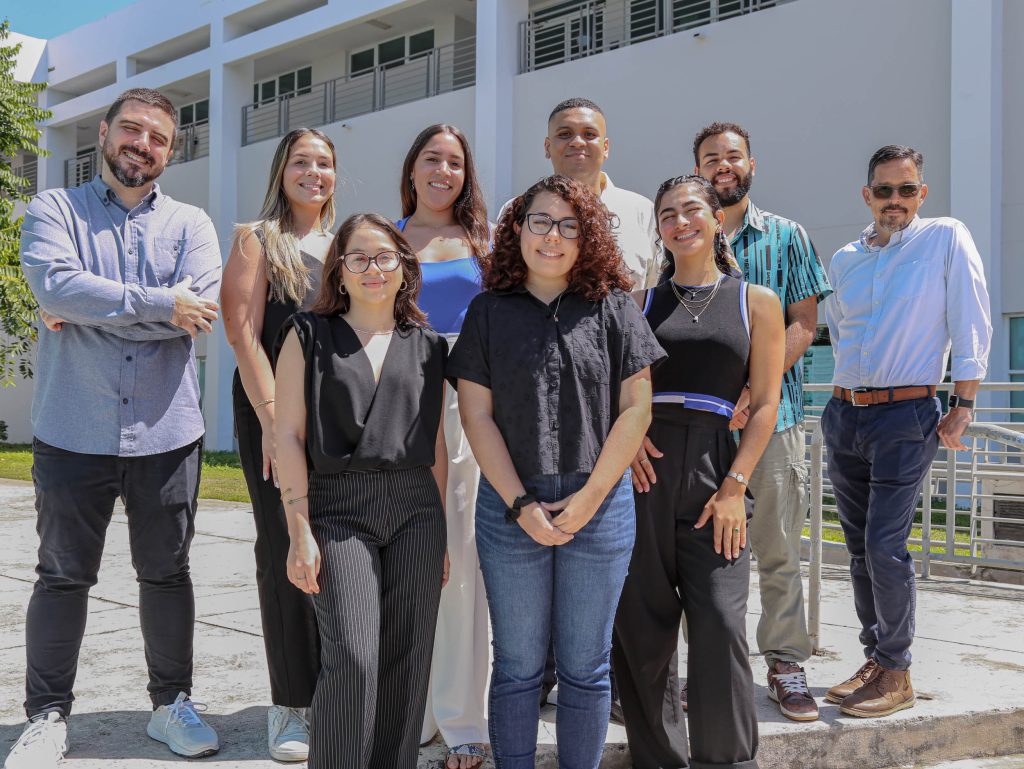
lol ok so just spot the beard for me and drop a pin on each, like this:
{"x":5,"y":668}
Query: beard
{"x":893,"y":220}
{"x":128,"y":173}
{"x":734,"y":195}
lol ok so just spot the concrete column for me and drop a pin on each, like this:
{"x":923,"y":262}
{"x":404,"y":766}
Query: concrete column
{"x":975,"y":152}
{"x":230,"y":91}
{"x":497,"y":64}
{"x":61,"y":141}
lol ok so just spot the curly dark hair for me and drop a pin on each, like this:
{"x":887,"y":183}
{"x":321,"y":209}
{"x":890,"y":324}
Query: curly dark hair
{"x":598,"y":268}
{"x":330,"y":300}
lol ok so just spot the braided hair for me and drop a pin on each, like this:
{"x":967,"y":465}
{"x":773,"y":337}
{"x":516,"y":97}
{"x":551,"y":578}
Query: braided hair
{"x":724,"y":259}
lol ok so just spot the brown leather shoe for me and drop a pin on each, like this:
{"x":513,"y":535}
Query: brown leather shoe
{"x":888,"y":692}
{"x":787,"y":685}
{"x":840,"y":692}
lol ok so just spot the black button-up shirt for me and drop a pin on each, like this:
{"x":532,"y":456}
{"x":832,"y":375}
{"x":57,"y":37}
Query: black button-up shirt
{"x":554,"y":377}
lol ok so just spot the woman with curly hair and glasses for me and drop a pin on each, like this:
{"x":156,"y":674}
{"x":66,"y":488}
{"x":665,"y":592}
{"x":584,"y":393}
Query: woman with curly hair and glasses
{"x":553,"y":374}
{"x":360,"y":383}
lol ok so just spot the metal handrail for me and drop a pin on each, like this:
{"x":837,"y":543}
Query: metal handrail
{"x":955,"y":473}
{"x":558,"y":34}
{"x":440,"y":70}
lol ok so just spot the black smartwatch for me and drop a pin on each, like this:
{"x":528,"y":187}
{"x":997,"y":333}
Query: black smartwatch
{"x":512,"y":513}
{"x":956,"y":402}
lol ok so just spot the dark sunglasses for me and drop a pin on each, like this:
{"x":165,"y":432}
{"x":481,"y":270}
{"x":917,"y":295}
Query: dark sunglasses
{"x":541,"y":224}
{"x":884,"y":191}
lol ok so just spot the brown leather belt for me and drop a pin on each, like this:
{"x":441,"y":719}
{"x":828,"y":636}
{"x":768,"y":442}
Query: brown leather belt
{"x":862,"y":396}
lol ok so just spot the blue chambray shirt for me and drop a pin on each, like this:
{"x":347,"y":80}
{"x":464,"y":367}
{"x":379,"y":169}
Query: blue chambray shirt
{"x":776,"y":252}
{"x":118,"y":378}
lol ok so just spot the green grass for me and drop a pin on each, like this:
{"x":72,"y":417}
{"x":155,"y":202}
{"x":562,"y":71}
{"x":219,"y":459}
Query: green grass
{"x":938,"y":533}
{"x":221,"y":479}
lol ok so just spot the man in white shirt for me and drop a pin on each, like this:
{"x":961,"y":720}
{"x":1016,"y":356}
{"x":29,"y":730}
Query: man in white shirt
{"x":906,"y":293}
{"x":577,"y":146}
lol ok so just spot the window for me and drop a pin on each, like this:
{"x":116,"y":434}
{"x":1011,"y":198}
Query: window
{"x":289,"y":84}
{"x":1017,"y":365}
{"x":567,"y":31}
{"x":392,"y":52}
{"x":197,"y":112}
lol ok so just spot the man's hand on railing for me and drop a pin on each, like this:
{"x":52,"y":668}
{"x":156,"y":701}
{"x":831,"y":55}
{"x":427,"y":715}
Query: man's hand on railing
{"x":951,"y":428}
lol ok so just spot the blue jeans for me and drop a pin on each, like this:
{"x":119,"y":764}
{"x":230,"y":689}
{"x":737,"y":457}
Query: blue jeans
{"x":568,"y":593}
{"x":877,"y":459}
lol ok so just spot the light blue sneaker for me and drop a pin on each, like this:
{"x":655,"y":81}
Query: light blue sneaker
{"x":179,"y":727}
{"x":42,"y":745}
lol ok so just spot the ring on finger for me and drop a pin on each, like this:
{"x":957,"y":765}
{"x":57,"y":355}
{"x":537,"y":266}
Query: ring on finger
{"x":645,"y":461}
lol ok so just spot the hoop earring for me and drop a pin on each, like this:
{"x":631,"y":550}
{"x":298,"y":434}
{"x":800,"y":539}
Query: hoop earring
{"x":404,"y":286}
{"x":342,"y":290}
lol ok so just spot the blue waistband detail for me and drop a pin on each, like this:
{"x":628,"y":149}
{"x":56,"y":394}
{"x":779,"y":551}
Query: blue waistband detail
{"x":697,"y":401}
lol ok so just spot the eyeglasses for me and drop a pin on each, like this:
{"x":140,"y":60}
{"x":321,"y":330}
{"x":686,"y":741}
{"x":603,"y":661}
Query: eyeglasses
{"x":884,"y":191}
{"x":541,"y":224}
{"x":386,"y":261}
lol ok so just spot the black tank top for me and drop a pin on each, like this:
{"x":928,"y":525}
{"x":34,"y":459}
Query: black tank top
{"x":708,"y":360}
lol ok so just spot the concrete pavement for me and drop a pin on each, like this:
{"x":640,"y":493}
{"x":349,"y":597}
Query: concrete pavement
{"x":968,"y":671}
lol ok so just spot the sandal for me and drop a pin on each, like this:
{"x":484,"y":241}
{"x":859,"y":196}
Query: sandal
{"x":469,"y":749}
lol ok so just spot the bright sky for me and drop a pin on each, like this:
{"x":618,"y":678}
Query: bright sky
{"x":49,"y":18}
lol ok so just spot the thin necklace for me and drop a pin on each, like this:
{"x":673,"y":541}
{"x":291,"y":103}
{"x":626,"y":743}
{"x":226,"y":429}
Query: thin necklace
{"x":372,"y":333}
{"x":559,"y":304}
{"x":699,"y":306}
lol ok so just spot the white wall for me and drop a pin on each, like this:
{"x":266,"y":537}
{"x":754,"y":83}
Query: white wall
{"x":815,"y":102}
{"x":1013,"y":158}
{"x":16,"y":409}
{"x":30,"y":66}
{"x":370,"y":151}
{"x":188,"y":182}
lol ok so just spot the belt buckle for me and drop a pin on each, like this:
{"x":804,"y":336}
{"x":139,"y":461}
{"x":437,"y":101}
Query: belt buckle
{"x":853,"y":397}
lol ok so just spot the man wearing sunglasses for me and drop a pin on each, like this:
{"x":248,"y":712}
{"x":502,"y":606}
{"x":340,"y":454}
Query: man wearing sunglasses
{"x":906,"y":293}
{"x":775,"y":252}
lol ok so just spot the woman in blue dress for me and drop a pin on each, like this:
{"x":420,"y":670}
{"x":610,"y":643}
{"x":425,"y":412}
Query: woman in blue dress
{"x":445,"y":221}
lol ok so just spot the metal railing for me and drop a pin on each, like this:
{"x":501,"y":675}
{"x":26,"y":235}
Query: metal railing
{"x":26,"y":165}
{"x":191,"y":142}
{"x":971,"y":507}
{"x":78,"y":170}
{"x":440,"y":70}
{"x":565,"y":32}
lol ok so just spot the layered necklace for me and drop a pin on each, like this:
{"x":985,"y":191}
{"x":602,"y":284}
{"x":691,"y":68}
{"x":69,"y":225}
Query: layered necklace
{"x":700,"y":297}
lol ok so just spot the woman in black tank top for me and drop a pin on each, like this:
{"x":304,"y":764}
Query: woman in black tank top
{"x":692,"y":507}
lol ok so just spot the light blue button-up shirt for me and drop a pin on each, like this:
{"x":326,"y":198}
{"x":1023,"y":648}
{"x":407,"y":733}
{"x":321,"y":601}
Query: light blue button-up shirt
{"x":118,"y":378}
{"x":898,"y":310}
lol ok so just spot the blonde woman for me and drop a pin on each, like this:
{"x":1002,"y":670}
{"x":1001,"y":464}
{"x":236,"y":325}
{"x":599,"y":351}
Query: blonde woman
{"x":445,"y":221}
{"x":273,"y":271}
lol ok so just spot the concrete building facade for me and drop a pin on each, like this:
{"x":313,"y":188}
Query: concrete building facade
{"x":820,"y":84}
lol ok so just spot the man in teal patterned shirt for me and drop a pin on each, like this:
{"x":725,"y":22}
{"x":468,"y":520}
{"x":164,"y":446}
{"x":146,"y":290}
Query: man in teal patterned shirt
{"x":775,"y":252}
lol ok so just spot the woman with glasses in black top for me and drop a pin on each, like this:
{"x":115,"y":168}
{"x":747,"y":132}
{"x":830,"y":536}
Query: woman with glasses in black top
{"x":553,"y":373}
{"x":359,"y":392}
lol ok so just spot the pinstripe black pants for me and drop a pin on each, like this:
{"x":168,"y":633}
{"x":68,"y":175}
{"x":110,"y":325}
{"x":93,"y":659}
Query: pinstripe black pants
{"x":382,"y":539}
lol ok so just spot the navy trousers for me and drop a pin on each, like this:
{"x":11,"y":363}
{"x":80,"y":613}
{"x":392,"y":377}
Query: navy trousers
{"x":878,"y":457}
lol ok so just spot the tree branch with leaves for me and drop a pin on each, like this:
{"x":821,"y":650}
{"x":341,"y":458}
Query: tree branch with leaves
{"x":20,"y":116}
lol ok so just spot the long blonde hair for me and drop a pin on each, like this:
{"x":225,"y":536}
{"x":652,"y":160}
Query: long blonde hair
{"x":287,"y":275}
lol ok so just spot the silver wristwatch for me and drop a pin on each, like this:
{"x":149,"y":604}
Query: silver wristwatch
{"x":739,"y":477}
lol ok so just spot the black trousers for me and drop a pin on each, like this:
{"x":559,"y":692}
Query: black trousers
{"x":290,"y":634}
{"x":382,"y":538}
{"x":75,"y":495}
{"x":675,"y":571}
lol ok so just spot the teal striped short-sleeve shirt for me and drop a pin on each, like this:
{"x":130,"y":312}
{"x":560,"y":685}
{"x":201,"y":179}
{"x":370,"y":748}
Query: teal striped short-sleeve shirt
{"x":776,"y":252}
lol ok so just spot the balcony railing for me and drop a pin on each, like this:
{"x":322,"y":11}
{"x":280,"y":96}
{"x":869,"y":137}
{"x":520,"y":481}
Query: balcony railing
{"x":81,"y":169}
{"x":26,"y":166}
{"x":569,"y":31}
{"x":191,"y":142}
{"x":440,"y":70}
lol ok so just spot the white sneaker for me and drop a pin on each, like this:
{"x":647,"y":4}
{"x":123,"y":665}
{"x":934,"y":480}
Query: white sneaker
{"x":42,"y":745}
{"x":179,"y":726}
{"x":287,"y":733}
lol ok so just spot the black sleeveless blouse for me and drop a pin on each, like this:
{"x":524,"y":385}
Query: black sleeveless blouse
{"x":356,"y":424}
{"x":706,"y":358}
